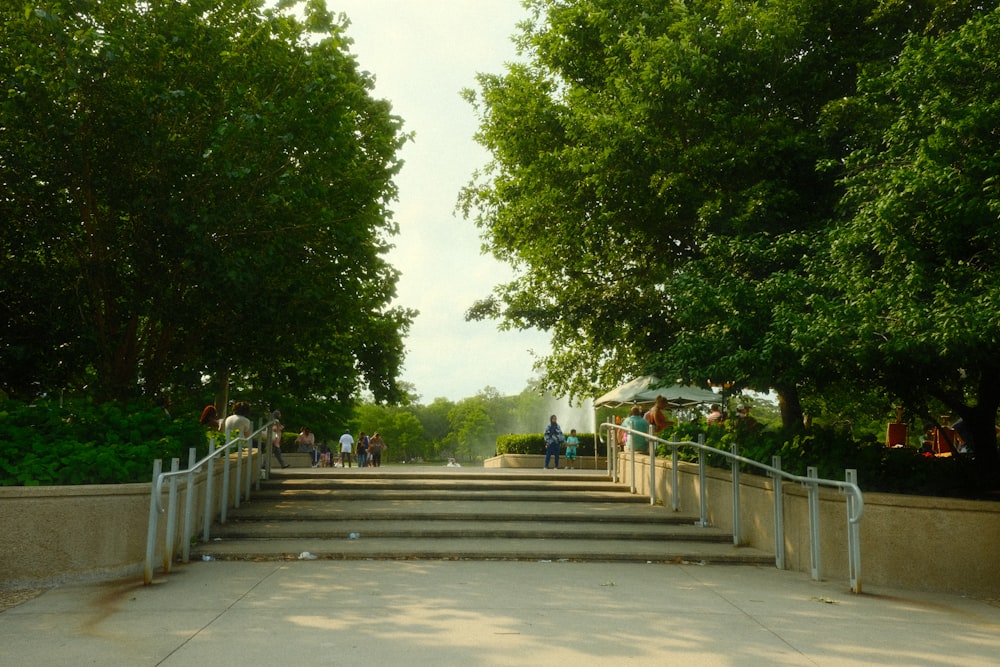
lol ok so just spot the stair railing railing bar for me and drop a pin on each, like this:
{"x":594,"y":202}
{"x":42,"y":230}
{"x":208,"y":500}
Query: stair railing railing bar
{"x":206,"y":466}
{"x":811,"y":482}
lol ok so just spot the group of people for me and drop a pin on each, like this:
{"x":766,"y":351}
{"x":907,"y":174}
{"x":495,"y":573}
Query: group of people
{"x":366,"y":451}
{"x":238,"y":424}
{"x":554,"y":441}
{"x":657,"y":418}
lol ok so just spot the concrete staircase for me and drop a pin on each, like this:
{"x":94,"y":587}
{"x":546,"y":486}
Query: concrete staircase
{"x":462,"y":513}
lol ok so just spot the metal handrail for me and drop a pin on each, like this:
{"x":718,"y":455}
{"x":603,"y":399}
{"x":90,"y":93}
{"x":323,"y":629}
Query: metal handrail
{"x":264,"y":434}
{"x":855,"y":498}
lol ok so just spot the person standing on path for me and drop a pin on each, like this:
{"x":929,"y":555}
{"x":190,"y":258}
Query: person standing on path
{"x":307,"y":444}
{"x":571,"y":444}
{"x":346,"y":448}
{"x":637,"y":422}
{"x":554,"y":439}
{"x":363,"y":450}
{"x":375,"y":448}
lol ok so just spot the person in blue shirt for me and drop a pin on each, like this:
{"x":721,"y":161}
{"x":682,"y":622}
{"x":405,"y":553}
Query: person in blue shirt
{"x":636,"y":421}
{"x":554,"y":439}
{"x":571,"y":443}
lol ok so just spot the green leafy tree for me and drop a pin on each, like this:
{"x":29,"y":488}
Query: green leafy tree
{"x":915,"y":267}
{"x":472,"y":429}
{"x":434,"y":418}
{"x":194,"y":189}
{"x":654,"y":181}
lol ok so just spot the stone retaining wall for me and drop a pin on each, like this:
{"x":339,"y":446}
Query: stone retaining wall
{"x":54,"y":534}
{"x":913,"y":542}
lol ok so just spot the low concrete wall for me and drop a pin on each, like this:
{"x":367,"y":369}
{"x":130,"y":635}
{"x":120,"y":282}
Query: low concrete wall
{"x":913,"y":542}
{"x":54,"y":534}
{"x":538,"y":460}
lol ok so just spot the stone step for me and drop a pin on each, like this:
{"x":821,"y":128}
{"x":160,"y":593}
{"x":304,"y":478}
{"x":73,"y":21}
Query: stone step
{"x":497,"y":508}
{"x":462,"y":527}
{"x":462,"y":514}
{"x":376,"y":548}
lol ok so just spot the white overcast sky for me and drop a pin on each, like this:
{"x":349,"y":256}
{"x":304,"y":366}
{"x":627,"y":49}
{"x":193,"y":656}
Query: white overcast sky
{"x":422,"y":54}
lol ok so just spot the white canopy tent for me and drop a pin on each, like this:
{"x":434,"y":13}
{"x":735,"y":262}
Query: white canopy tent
{"x":644,"y":390}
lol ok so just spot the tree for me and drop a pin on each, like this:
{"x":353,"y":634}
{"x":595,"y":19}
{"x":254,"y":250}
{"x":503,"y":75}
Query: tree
{"x":472,"y":429}
{"x":662,"y":157}
{"x":915,"y":266}
{"x":654,"y":180}
{"x":196,"y":188}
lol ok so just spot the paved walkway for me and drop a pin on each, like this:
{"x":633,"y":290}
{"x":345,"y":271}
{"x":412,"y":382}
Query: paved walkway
{"x":474,"y":613}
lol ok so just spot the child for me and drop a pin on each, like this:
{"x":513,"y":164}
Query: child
{"x":571,"y":442}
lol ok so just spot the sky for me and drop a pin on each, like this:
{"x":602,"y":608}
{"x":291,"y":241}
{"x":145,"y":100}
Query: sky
{"x":422,"y":53}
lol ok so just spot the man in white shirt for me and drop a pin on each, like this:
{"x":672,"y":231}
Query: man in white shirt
{"x":238,"y":421}
{"x":346,"y":449}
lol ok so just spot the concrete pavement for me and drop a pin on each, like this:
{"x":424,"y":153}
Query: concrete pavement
{"x":473,"y":613}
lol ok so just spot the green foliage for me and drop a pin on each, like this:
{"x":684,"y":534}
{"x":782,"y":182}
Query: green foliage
{"x":832,"y":450}
{"x":43,"y":444}
{"x":178,"y":178}
{"x":534,"y":443}
{"x":795,"y":195}
{"x":520,"y":443}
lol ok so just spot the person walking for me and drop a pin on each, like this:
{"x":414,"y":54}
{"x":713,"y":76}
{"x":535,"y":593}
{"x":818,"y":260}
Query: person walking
{"x":375,"y":448}
{"x":346,"y":448}
{"x":554,"y":439}
{"x":276,"y":430}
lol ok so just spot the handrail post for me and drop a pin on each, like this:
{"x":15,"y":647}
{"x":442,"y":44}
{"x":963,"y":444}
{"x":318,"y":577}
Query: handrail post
{"x":209,"y":491}
{"x":779,"y":514}
{"x":612,"y":434}
{"x":224,"y":500}
{"x":189,"y":506}
{"x":265,"y":453}
{"x":853,"y":535}
{"x":247,"y":478}
{"x":631,"y":457}
{"x":255,"y":471}
{"x":702,"y":497}
{"x":652,"y":468}
{"x":147,"y":575}
{"x":737,"y":529}
{"x":238,"y":483}
{"x":168,"y":548}
{"x":814,"y":551}
{"x":675,"y":489}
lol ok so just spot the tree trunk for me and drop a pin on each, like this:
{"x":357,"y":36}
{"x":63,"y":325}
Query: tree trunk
{"x":982,"y":425}
{"x":791,"y":407}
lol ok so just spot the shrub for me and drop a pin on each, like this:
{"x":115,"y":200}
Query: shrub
{"x":534,"y":443}
{"x":80,"y":442}
{"x":832,"y":450}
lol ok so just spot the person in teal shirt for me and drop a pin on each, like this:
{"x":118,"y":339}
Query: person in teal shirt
{"x":636,"y":421}
{"x":571,"y":442}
